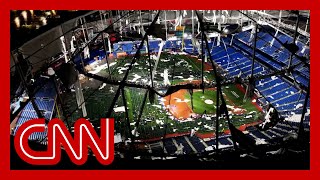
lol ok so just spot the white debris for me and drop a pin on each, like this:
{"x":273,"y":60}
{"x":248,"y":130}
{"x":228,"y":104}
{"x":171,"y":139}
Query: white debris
{"x":164,"y":60}
{"x":222,"y":146}
{"x":102,"y":86}
{"x":119,"y":109}
{"x":260,"y":141}
{"x":294,"y":118}
{"x":135,"y":132}
{"x":154,"y":158}
{"x":274,"y":77}
{"x":171,"y":157}
{"x":230,"y":107}
{"x":179,"y":77}
{"x":102,"y":67}
{"x":237,"y":109}
{"x":178,"y":100}
{"x":159,"y":122}
{"x":120,"y":71}
{"x":136,"y":77}
{"x":163,"y":99}
{"x":209,"y":148}
{"x":166,"y":77}
{"x":112,"y":64}
{"x":208,"y":101}
{"x":208,"y":127}
{"x":111,"y":90}
{"x":158,"y":106}
{"x":299,"y":106}
{"x":274,"y":152}
{"x":117,"y":138}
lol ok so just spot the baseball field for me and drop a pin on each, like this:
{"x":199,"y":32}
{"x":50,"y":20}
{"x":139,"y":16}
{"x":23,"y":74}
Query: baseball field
{"x":177,"y":113}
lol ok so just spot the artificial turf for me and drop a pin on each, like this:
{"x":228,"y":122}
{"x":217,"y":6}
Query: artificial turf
{"x":200,"y":107}
{"x":98,"y":104}
{"x":240,"y":101}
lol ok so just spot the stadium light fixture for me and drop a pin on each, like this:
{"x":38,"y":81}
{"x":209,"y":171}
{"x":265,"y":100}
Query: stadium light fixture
{"x":185,"y":35}
{"x":43,"y":20}
{"x":24,"y":15}
{"x":17,"y":22}
{"x":32,"y":13}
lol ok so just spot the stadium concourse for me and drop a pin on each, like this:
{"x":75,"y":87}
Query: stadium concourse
{"x":223,"y":89}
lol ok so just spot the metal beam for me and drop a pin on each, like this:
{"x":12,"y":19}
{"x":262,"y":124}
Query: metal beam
{"x":277,"y":39}
{"x":294,"y":39}
{"x":254,"y":49}
{"x":136,"y":56}
{"x":219,"y":90}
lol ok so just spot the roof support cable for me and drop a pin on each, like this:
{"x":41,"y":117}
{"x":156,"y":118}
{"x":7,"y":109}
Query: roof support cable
{"x":130,"y":135}
{"x":169,"y":104}
{"x":136,"y":56}
{"x":149,"y":60}
{"x":219,"y":91}
{"x":26,"y":87}
{"x":304,"y":110}
{"x":134,"y":134}
{"x":294,"y":39}
{"x":302,"y":59}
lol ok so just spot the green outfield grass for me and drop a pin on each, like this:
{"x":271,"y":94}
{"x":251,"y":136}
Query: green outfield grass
{"x":247,"y":104}
{"x":129,"y":104}
{"x":232,"y":99}
{"x":196,"y":65}
{"x":199,"y":105}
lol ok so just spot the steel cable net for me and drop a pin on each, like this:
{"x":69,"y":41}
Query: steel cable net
{"x":160,"y":89}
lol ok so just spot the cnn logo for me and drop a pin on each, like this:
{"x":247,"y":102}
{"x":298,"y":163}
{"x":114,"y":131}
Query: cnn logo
{"x":58,"y":135}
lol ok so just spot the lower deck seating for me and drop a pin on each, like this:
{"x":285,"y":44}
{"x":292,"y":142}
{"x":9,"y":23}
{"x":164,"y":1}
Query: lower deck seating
{"x":45,"y":100}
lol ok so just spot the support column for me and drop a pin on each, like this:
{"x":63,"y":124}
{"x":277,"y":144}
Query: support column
{"x":79,"y":97}
{"x":307,"y":23}
{"x":101,"y":19}
{"x":105,"y":50}
{"x":279,"y":22}
{"x":202,"y":62}
{"x":64,"y":49}
{"x":64,"y":113}
{"x":165,"y":24}
{"x":83,"y":31}
{"x":301,"y":126}
{"x":26,"y":87}
{"x":294,"y":38}
{"x":219,"y":28}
